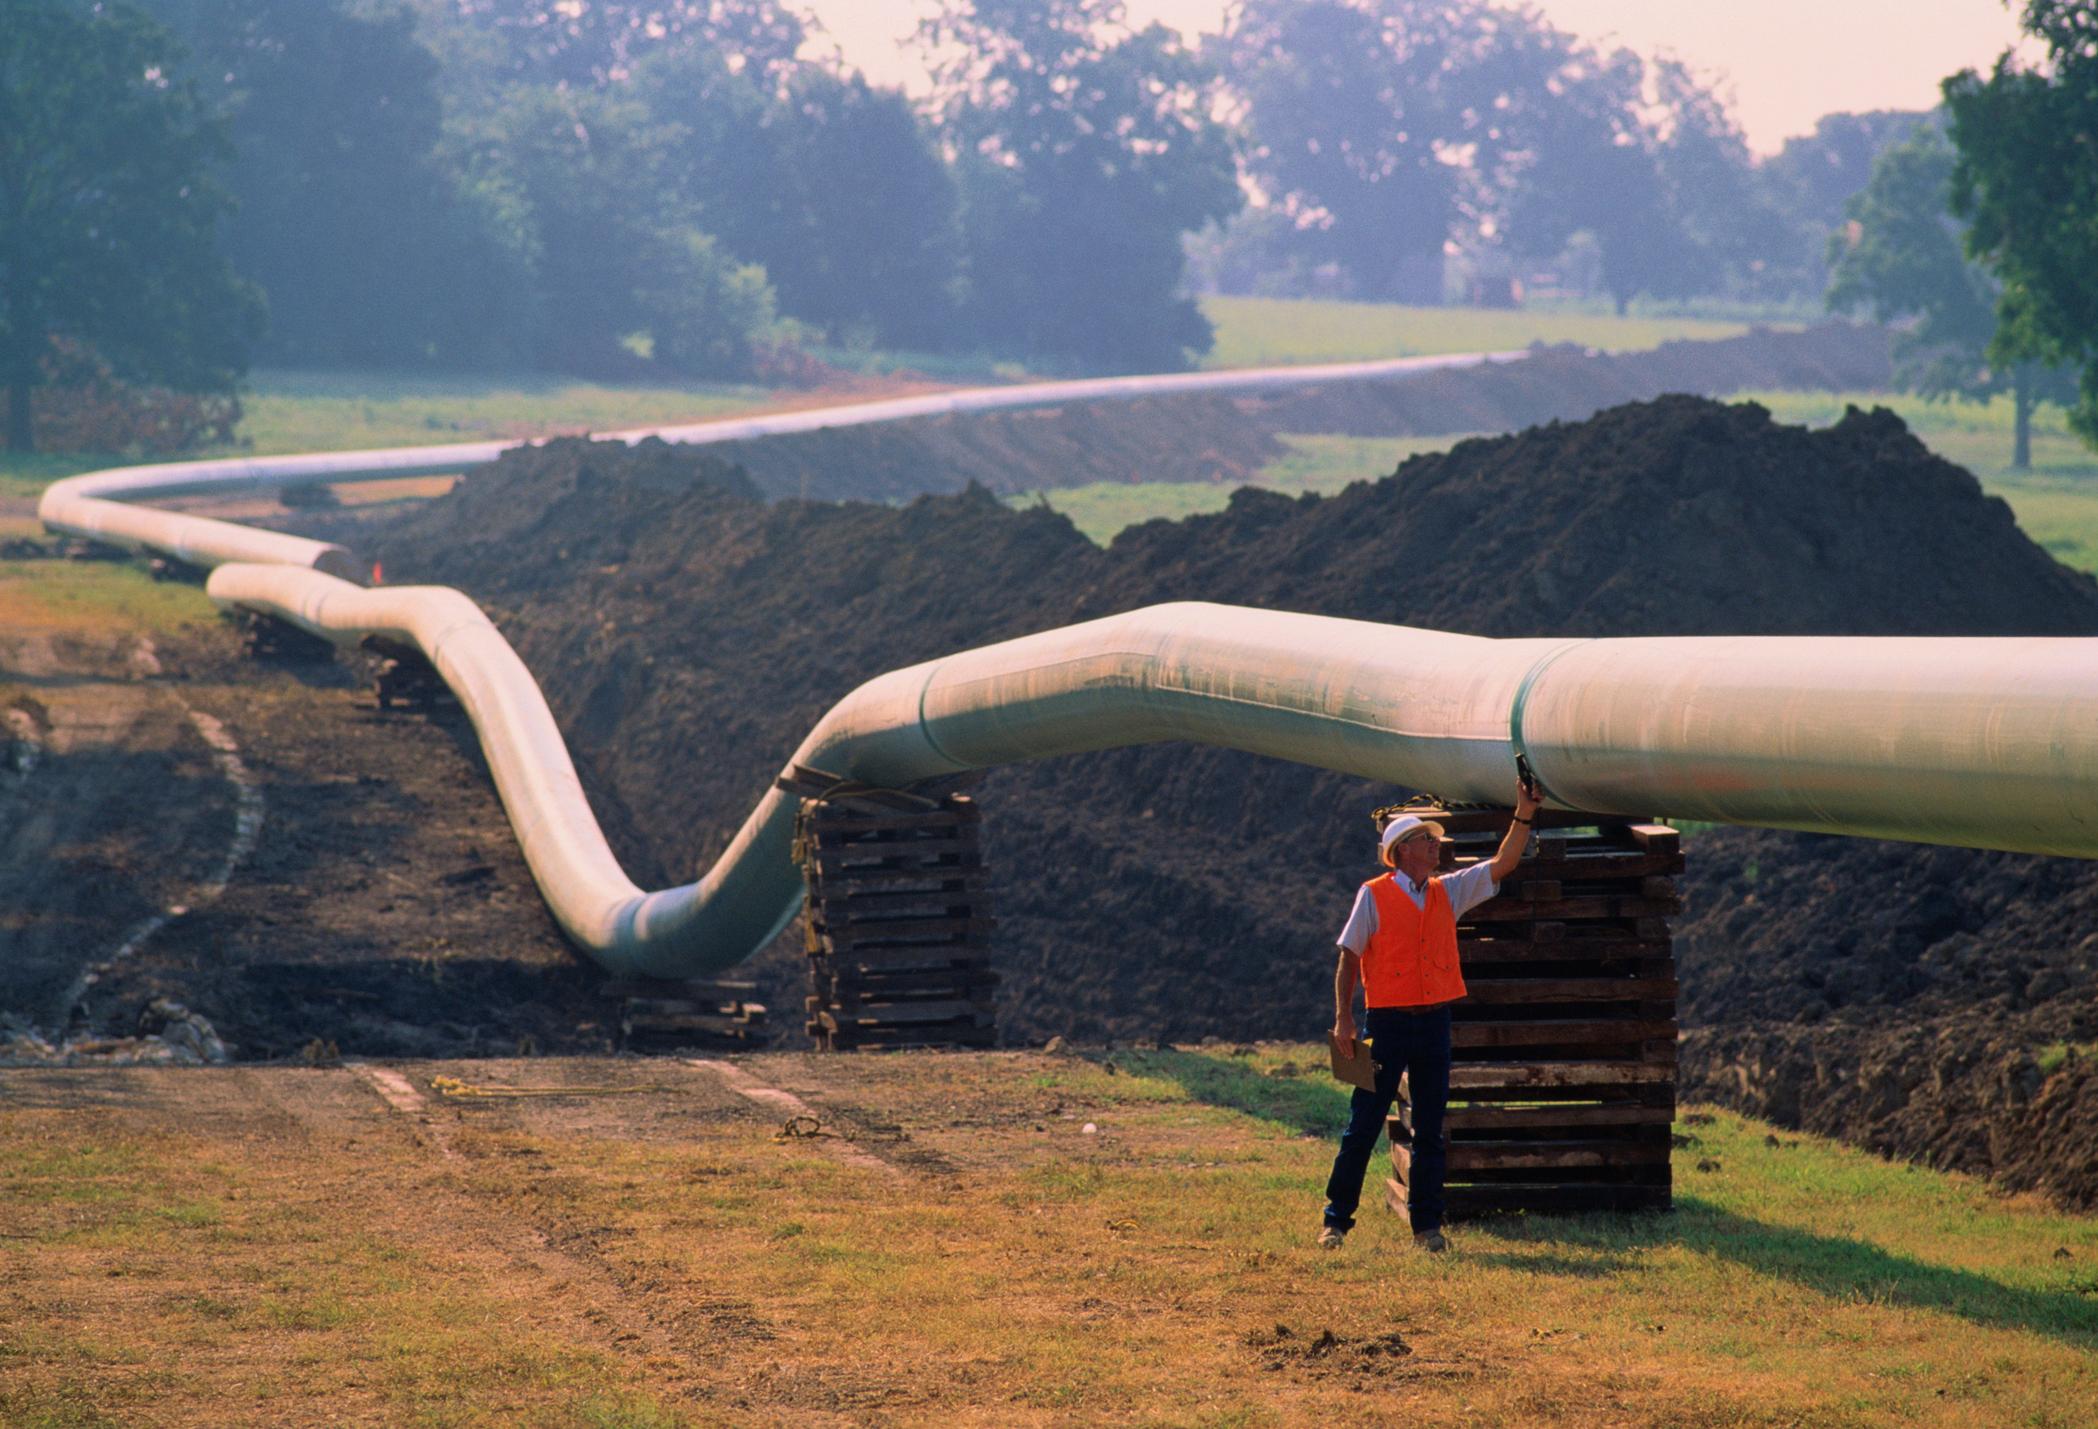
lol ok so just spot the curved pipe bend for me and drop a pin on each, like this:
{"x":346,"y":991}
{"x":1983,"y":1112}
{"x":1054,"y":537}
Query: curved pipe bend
{"x":1989,"y":743}
{"x":1866,"y":736}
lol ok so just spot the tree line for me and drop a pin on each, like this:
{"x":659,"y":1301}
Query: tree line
{"x":615,"y":187}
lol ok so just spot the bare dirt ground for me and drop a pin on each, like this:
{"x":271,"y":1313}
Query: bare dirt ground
{"x":380,"y":905}
{"x":93,"y":743}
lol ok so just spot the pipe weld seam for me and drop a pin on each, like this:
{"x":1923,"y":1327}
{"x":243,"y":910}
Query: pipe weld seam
{"x":1519,"y":707}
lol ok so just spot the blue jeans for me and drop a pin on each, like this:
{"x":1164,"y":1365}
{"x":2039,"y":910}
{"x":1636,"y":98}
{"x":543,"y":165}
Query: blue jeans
{"x":1418,"y":1045}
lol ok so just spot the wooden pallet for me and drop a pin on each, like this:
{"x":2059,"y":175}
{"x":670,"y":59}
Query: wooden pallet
{"x":1563,"y":1078}
{"x":896,"y":921}
{"x":661,"y":1016}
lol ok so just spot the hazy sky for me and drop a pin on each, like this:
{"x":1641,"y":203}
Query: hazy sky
{"x":1788,"y":62}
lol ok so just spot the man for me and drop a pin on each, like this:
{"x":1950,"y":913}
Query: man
{"x":1400,"y":942}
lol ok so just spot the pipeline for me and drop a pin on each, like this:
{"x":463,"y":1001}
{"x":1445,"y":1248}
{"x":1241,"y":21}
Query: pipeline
{"x":93,"y":505}
{"x":1989,"y":743}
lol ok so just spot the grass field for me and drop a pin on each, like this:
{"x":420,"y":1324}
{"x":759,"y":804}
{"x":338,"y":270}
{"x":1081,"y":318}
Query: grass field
{"x":1321,"y":463}
{"x":305,"y":411}
{"x":1254,"y":332}
{"x":1117,"y":1238}
{"x":90,"y":598}
{"x":2056,"y":502}
{"x":298,"y":411}
{"x":24,"y":474}
{"x":345,"y":411}
{"x":93,"y":597}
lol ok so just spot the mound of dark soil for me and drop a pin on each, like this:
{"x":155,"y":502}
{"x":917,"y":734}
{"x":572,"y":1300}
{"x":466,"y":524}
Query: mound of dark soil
{"x":688,"y":634}
{"x":1680,"y":516}
{"x":1901,"y":997}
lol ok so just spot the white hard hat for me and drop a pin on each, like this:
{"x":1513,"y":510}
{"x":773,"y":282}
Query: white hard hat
{"x":1403,"y":825}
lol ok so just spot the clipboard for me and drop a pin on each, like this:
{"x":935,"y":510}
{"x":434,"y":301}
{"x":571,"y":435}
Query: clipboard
{"x":1352,"y":1062}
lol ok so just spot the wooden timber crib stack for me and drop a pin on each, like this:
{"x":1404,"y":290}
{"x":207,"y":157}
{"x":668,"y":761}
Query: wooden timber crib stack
{"x":1563,"y":1081}
{"x":895,"y":917}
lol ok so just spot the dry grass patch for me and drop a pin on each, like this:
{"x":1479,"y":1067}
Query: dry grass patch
{"x":82,"y":598}
{"x":670,"y":1258}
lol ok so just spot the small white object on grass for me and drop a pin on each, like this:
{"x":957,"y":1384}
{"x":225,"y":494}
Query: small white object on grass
{"x":1090,"y":1129}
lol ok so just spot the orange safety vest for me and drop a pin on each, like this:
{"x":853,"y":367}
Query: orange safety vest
{"x":1411,"y":960}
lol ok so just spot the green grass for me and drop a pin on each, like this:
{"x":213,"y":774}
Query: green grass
{"x":24,"y":475}
{"x":336,"y":411}
{"x":98,"y":597}
{"x":2055,"y":1055}
{"x":1320,"y":463}
{"x":287,"y":412}
{"x":1253,"y":332}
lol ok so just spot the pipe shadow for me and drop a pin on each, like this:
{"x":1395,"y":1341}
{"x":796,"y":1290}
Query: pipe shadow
{"x":1600,"y":1246}
{"x":1307,"y":1101}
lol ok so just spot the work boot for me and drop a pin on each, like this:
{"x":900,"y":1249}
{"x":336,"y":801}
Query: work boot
{"x":1432,"y":1242}
{"x":1332,"y":1238}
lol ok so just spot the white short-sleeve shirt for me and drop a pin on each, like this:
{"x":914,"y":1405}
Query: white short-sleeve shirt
{"x":1466,"y":889}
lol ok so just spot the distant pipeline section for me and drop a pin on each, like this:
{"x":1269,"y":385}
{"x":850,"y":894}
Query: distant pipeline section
{"x":1980,"y":742}
{"x":102,"y":505}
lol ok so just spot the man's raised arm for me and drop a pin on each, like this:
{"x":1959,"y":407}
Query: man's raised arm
{"x":1518,"y":836}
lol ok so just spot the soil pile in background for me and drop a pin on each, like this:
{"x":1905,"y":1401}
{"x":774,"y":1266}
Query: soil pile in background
{"x":1565,"y":382}
{"x":1680,"y":516}
{"x":1227,"y":440}
{"x":1190,"y":438}
{"x":688,"y":635}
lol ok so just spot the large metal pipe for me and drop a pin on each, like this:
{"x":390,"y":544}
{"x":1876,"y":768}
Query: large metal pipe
{"x":1988,"y":742}
{"x":1980,"y":742}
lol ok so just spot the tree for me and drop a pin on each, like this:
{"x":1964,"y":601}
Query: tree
{"x":347,"y":217}
{"x":1355,"y":113}
{"x":1085,"y":151}
{"x":832,"y":185}
{"x":614,"y":251}
{"x":1731,"y":231}
{"x":1581,"y":157}
{"x":592,"y":44}
{"x":109,"y":207}
{"x":875,"y":212}
{"x":1386,"y":129}
{"x":1813,"y":176}
{"x":1900,"y":259}
{"x":2026,"y":180}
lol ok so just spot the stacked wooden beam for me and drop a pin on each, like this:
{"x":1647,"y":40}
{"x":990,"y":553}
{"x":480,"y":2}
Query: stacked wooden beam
{"x":1562,"y":1089}
{"x":266,"y":638}
{"x":897,"y":921}
{"x":402,"y":674}
{"x":659,"y":1016}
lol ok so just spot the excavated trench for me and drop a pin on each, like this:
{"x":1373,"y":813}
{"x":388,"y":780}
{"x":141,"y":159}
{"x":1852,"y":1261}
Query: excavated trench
{"x":680,"y":622}
{"x":1923,"y":1002}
